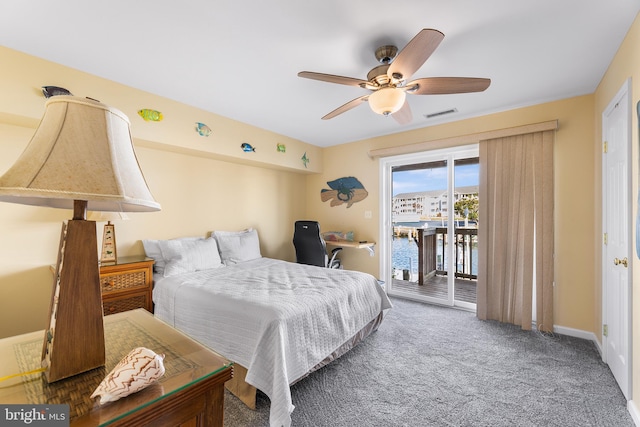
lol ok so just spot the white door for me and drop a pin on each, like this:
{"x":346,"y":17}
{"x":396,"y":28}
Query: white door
{"x":616,"y":269}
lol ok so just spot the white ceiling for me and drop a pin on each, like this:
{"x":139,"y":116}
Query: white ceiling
{"x":240,"y":59}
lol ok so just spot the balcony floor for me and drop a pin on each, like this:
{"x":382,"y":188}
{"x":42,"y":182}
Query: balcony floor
{"x":436,"y":287}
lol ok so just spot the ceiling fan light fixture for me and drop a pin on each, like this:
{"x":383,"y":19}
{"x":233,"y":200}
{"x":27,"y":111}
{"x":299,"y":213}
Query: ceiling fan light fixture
{"x":387,"y":100}
{"x":387,"y":82}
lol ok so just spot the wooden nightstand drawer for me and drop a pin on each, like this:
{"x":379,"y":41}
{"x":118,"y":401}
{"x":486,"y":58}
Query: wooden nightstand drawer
{"x":121,"y":281}
{"x":127,"y":285}
{"x":125,"y":303}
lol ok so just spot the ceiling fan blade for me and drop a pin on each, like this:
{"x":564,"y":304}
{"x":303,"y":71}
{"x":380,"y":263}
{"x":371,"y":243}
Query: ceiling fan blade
{"x":346,"y":107}
{"x":446,"y":85}
{"x":349,"y":81}
{"x":403,"y":116}
{"x":414,"y":54}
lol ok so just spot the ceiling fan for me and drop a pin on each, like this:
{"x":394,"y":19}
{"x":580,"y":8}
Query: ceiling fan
{"x":388,"y":81}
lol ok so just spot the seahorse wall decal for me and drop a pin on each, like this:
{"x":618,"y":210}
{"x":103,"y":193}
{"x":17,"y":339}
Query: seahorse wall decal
{"x":344,"y":190}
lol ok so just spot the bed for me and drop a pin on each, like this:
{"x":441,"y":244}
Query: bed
{"x":277,"y":321}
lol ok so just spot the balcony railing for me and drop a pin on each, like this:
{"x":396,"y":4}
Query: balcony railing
{"x":432,"y":252}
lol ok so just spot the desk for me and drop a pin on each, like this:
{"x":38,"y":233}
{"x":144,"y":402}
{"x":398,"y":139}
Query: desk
{"x":190,"y":393}
{"x":356,"y":245}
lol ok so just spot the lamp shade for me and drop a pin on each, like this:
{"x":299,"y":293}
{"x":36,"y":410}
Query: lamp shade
{"x":387,"y":100}
{"x":82,"y":150}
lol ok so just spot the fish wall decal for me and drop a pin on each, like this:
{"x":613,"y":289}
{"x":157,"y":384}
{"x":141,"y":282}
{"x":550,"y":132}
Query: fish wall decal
{"x":344,"y":190}
{"x":247,"y":148}
{"x":281,"y":148}
{"x":49,"y":91}
{"x":202,"y":129}
{"x":150,"y":115}
{"x":305,"y":159}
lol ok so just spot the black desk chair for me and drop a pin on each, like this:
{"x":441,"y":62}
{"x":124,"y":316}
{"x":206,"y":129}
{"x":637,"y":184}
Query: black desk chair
{"x":310,"y":246}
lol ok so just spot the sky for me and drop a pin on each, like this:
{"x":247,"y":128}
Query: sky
{"x":433,"y":179}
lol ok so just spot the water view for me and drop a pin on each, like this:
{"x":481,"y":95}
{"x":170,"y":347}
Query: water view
{"x":405,"y":256}
{"x":422,"y":203}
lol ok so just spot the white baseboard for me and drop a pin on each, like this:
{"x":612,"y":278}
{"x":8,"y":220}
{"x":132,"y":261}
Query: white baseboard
{"x":633,"y":410}
{"x":578,"y":333}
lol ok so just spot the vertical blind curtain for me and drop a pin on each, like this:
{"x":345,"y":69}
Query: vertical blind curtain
{"x":515,"y":236}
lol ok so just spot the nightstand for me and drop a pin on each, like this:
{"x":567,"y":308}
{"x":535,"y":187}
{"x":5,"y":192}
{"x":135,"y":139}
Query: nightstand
{"x":191,"y":392}
{"x":127,"y":284}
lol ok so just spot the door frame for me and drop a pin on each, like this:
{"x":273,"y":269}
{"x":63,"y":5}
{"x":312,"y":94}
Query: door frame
{"x":624,"y":90}
{"x":384,"y":247}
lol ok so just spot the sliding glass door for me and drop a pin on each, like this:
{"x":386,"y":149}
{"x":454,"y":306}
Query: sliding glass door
{"x":465,"y":230}
{"x":429,"y":225}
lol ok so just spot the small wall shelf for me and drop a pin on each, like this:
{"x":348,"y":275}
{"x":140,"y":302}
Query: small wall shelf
{"x":370,"y":246}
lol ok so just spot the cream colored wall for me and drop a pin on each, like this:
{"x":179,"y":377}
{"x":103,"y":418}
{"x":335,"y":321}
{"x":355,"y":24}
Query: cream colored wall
{"x":626,"y":64}
{"x":22,"y":103}
{"x":341,"y":161}
{"x":199,"y":195}
{"x":203,"y":184}
{"x":574,"y":198}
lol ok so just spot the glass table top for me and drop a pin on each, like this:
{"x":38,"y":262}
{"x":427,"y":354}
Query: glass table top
{"x":186,"y":362}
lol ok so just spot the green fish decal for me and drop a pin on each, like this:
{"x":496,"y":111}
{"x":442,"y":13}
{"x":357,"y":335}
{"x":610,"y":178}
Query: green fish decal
{"x":305,"y":159}
{"x":150,"y":115}
{"x":344,"y":190}
{"x":281,"y":148}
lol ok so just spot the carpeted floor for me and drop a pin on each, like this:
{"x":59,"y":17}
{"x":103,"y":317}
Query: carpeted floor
{"x":434,"y":366}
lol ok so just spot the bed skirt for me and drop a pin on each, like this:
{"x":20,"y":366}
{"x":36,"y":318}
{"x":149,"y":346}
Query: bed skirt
{"x":247,"y":393}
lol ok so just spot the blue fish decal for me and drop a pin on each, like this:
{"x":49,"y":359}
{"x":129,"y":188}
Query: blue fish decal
{"x":247,"y":148}
{"x":344,"y":190}
{"x":150,"y":115}
{"x":202,"y":129}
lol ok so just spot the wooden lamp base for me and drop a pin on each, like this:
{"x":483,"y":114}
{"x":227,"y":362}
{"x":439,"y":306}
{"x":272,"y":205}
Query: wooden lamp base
{"x":74,"y":339}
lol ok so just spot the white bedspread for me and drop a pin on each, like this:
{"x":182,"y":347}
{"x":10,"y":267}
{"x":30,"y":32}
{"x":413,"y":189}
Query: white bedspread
{"x":276,"y":318}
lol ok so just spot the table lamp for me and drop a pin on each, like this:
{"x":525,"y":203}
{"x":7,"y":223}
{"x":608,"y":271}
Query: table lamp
{"x":109,"y":251}
{"x":81,"y":157}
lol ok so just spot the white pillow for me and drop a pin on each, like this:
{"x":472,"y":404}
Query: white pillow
{"x":238,"y":246}
{"x":153,"y":249}
{"x":186,"y":256}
